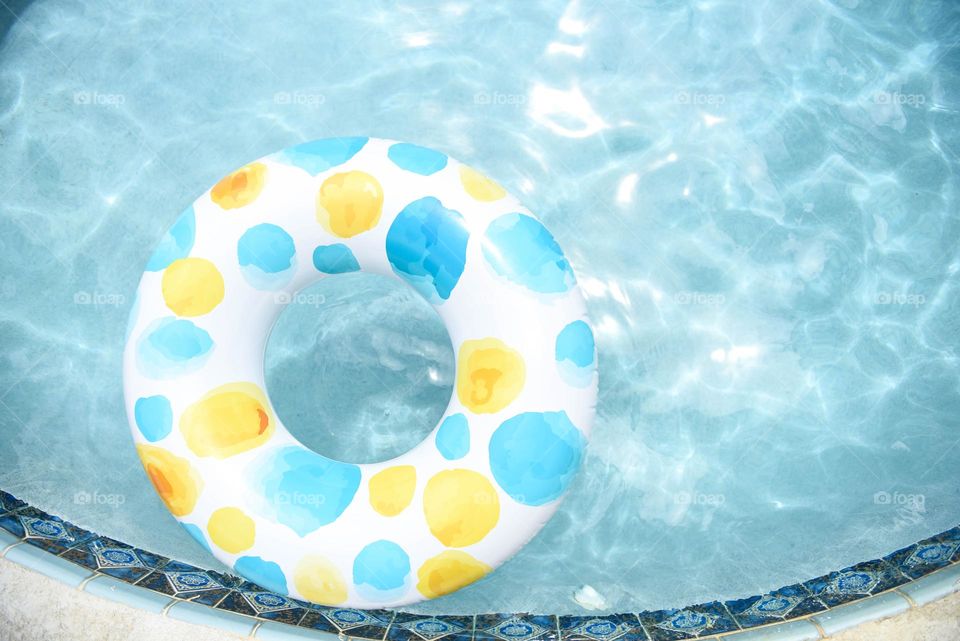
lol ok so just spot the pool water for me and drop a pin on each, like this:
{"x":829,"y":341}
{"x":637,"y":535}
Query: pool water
{"x":760,"y":201}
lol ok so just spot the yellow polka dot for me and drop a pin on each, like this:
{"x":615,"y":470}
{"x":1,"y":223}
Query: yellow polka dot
{"x":461,"y":507}
{"x":448,"y":572}
{"x":489,"y":375}
{"x":479,"y":186}
{"x":192,"y":286}
{"x":392,"y":489}
{"x":231,"y":529}
{"x":241,"y":187}
{"x":175,"y":480}
{"x":319,"y":580}
{"x":349,"y":203}
{"x":230,"y":419}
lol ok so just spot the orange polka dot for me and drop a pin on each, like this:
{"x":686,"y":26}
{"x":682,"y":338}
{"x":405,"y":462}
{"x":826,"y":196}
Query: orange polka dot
{"x":175,"y":480}
{"x":239,"y":188}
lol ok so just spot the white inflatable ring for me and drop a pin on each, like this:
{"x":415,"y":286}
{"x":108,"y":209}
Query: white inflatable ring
{"x":374,"y":535}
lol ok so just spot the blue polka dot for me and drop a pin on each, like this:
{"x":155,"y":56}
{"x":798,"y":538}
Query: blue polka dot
{"x":302,"y":489}
{"x":381,"y":572}
{"x":335,"y":259}
{"x":266,"y":254}
{"x":266,"y":574}
{"x":171,"y":347}
{"x":197,"y":535}
{"x":534,"y":456}
{"x":176,"y":243}
{"x":417,"y":159}
{"x":575,"y":353}
{"x":320,"y":155}
{"x":154,"y":417}
{"x":520,"y":249}
{"x":453,"y":437}
{"x":427,"y":247}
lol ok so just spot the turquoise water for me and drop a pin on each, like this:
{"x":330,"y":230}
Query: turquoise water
{"x":760,"y":201}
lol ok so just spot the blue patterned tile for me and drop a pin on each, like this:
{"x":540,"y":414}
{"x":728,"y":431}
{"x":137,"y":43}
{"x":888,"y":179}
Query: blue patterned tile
{"x":786,"y":603}
{"x":213,"y":597}
{"x":688,"y":623}
{"x":42,"y":530}
{"x":188,"y":582}
{"x":115,"y":559}
{"x":515,"y":627}
{"x":252,"y":600}
{"x":953,"y":534}
{"x":360,"y":624}
{"x":422,"y":627}
{"x":622,"y":627}
{"x":922,"y":558}
{"x":855,"y":582}
{"x":950,"y":537}
{"x":9,"y":503}
{"x":10,"y":523}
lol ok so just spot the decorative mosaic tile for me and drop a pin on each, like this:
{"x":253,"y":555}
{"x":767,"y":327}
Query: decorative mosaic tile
{"x":359,"y":624}
{"x":115,"y":559}
{"x":42,"y":530}
{"x":515,"y":627}
{"x":922,"y":558}
{"x":252,"y":600}
{"x":9,"y":503}
{"x":10,"y":523}
{"x":188,"y":582}
{"x":786,"y":603}
{"x":421,"y":627}
{"x":953,"y":534}
{"x":855,"y":582}
{"x":688,"y":623}
{"x":625,"y":627}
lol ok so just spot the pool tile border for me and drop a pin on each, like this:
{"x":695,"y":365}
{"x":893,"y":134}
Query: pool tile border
{"x":909,"y":577}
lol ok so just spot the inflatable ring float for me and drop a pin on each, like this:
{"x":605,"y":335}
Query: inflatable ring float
{"x":432,"y":520}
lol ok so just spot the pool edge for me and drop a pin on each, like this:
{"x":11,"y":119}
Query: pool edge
{"x":872,"y":590}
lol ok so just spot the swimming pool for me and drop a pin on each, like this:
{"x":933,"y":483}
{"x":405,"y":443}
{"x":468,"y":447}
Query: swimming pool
{"x":760,"y":203}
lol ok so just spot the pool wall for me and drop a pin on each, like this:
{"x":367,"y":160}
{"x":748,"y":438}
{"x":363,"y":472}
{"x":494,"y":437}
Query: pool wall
{"x":875,"y":589}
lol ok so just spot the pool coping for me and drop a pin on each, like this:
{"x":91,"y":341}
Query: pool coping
{"x":907,"y":578}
